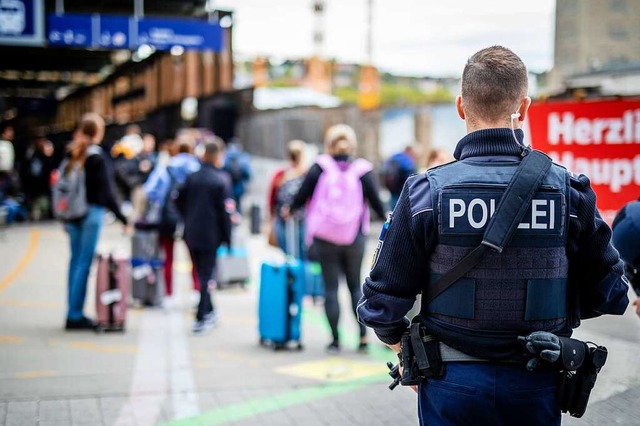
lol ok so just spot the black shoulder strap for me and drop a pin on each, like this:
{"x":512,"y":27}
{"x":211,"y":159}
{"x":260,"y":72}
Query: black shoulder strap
{"x":513,"y":205}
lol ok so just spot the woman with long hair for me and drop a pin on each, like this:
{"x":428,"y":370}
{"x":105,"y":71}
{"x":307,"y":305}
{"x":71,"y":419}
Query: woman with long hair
{"x":340,"y":188}
{"x":85,"y":231}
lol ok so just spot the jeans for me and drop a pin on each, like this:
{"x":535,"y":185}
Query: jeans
{"x":83,"y":236}
{"x":204,"y":262}
{"x":334,"y":260}
{"x":281,"y":236}
{"x":491,"y":394}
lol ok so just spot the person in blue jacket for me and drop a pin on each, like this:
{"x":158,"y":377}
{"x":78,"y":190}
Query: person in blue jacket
{"x":238,"y":165}
{"x":558,"y":269}
{"x":157,"y":188}
{"x":396,"y":170}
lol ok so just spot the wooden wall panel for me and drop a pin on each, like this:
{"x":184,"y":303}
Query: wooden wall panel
{"x":209,"y":74}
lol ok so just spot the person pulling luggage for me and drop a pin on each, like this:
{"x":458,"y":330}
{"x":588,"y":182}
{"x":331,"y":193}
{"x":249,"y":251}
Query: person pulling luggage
{"x":206,"y":206}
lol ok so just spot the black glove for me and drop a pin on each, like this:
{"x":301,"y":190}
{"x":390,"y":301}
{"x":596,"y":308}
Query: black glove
{"x":543,"y":345}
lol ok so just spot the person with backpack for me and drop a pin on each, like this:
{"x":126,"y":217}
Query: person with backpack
{"x":238,"y":166}
{"x":338,"y":188}
{"x":396,"y":170}
{"x":161,"y":190}
{"x":285,"y":184}
{"x":84,"y":189}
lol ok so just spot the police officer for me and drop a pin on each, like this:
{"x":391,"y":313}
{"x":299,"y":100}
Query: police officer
{"x":626,"y":239}
{"x":559,"y":267}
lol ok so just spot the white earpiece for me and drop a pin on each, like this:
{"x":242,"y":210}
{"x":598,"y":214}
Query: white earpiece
{"x":514,"y":116}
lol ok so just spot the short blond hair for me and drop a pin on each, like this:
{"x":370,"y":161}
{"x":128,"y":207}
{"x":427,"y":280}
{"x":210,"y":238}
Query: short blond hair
{"x":340,"y":139}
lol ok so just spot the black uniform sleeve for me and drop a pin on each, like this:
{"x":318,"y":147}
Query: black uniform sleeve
{"x":595,"y":269}
{"x":306,"y":189}
{"x":399,"y":270}
{"x":370,"y":188}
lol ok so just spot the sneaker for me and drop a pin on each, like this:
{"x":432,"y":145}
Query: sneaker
{"x":81,"y":324}
{"x":363,"y":348}
{"x":334,"y":347}
{"x":212,"y":318}
{"x":201,"y":327}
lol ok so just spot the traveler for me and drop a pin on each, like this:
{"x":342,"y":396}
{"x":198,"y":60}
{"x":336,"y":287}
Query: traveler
{"x":396,"y":170}
{"x":161,"y":189}
{"x":626,"y":239}
{"x":238,"y":165}
{"x":204,"y":202}
{"x":338,"y":188}
{"x":285,"y":184}
{"x":84,"y":231}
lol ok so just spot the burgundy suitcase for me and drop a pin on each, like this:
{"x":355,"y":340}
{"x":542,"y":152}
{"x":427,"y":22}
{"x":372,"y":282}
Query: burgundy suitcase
{"x":113,"y":277}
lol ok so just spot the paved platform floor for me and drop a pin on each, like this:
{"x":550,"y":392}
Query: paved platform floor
{"x":158,"y":372}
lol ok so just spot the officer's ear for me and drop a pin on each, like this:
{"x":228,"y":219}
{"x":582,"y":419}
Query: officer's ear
{"x":524,"y":107}
{"x":459,"y":107}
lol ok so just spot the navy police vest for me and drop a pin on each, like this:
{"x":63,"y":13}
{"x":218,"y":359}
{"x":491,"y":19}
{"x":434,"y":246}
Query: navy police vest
{"x":521,"y":290}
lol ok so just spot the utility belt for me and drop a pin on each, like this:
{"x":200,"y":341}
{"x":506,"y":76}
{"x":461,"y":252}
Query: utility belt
{"x":423,"y":357}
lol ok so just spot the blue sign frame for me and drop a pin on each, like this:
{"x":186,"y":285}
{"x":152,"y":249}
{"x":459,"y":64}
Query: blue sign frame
{"x":22,"y":22}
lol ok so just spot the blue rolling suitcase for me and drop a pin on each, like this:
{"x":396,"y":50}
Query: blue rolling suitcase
{"x":282,"y":287}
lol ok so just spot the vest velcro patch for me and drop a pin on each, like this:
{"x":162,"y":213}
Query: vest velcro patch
{"x":467,"y":212}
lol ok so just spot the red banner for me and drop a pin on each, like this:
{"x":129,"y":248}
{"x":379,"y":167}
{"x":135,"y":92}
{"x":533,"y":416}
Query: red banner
{"x":600,"y":139}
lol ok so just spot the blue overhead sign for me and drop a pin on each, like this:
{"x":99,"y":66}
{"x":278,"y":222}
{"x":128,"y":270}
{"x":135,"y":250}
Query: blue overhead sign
{"x":122,"y":32}
{"x":21,"y":22}
{"x":71,"y":30}
{"x":115,"y":32}
{"x":190,"y":34}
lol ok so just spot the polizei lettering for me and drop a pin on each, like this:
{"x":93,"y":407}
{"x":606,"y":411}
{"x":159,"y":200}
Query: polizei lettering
{"x":465,"y":213}
{"x":477,"y":213}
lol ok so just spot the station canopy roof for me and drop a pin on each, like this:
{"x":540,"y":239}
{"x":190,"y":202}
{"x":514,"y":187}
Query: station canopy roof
{"x":40,"y":72}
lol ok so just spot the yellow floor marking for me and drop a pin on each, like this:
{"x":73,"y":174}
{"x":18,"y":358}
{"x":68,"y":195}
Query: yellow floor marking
{"x":30,"y":304}
{"x":10,"y":339}
{"x":35,"y":374}
{"x":334,"y":369}
{"x":32,"y":248}
{"x":90,"y":346}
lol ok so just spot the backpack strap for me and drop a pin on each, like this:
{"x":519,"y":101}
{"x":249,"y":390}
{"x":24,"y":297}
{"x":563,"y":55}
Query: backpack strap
{"x":326,"y":162}
{"x":361,"y":166}
{"x":512,"y":206}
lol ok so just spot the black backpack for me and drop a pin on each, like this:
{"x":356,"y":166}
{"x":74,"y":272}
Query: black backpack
{"x":170,"y":215}
{"x":393,"y":176}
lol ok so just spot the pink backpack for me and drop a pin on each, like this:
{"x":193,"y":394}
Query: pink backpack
{"x":337,"y":209}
